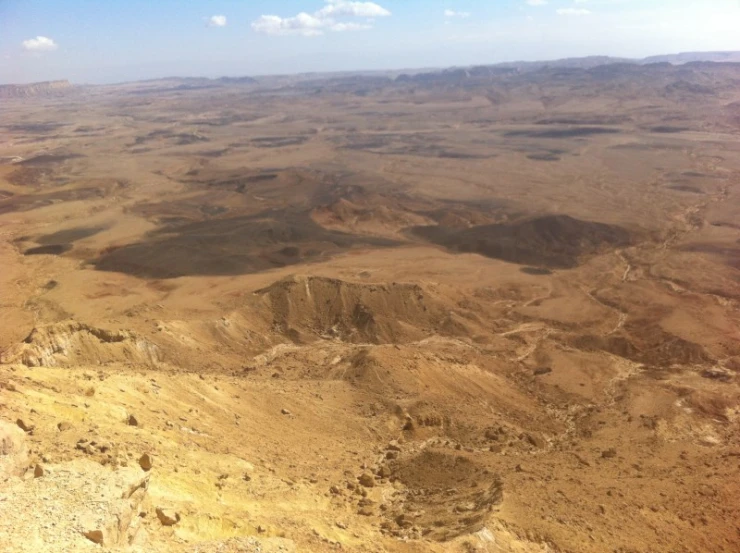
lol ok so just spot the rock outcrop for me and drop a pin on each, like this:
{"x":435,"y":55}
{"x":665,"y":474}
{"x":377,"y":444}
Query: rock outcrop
{"x":72,"y":505}
{"x":13,"y":451}
{"x":70,"y":343}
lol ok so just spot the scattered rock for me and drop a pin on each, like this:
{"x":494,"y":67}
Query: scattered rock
{"x":384,"y":471}
{"x":536,"y":440}
{"x":492,"y":434}
{"x":609,"y":453}
{"x":403,"y":521}
{"x":133,"y":488}
{"x":285,"y":411}
{"x":79,"y":501}
{"x":38,"y":471}
{"x":167,"y":517}
{"x":393,"y":446}
{"x":23,"y":425}
{"x":366,"y":507}
{"x":63,"y":426}
{"x":581,"y":460}
{"x":464,"y":508}
{"x":716,"y":373}
{"x":366,"y":479}
{"x":145,"y":462}
{"x":132,"y":421}
{"x":95,"y":536}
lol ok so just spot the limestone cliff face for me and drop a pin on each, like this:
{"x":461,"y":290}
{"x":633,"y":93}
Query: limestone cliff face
{"x":45,"y":88}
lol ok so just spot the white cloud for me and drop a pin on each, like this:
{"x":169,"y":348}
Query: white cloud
{"x":40,"y":44}
{"x":217,"y":21}
{"x":572,"y":11}
{"x":453,"y":13}
{"x":325,"y":19}
{"x":302,"y":24}
{"x":536,"y":2}
{"x":338,"y":8}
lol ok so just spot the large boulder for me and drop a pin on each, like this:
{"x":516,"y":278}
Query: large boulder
{"x":13,"y":451}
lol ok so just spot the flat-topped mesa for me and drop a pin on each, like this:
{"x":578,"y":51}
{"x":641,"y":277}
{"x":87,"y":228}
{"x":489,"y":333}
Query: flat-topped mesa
{"x":44,"y":88}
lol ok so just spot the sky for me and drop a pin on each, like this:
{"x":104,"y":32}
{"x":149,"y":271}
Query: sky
{"x":103,"y":41}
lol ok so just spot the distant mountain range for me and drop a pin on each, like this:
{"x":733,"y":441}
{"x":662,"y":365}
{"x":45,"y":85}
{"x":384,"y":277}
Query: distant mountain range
{"x":595,"y":61}
{"x":433,"y":74}
{"x":411,"y":75}
{"x":589,"y":62}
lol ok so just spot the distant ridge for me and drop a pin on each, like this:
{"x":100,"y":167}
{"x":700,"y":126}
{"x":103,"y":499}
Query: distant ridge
{"x":45,"y":88}
{"x":590,"y":63}
{"x":688,"y":57}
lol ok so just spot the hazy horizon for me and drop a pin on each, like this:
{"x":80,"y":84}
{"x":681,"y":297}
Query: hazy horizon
{"x":107,"y":42}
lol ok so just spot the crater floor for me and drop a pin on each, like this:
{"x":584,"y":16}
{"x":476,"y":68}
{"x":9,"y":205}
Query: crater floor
{"x":490,"y":314}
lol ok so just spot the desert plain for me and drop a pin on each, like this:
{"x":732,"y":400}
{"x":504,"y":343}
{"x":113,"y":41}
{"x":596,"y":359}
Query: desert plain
{"x":489,"y":310}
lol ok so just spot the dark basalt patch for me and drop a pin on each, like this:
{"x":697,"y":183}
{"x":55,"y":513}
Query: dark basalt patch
{"x":686,"y":188}
{"x":537,"y":271}
{"x":26,"y":202}
{"x":68,"y":235}
{"x":668,"y":129}
{"x":278,"y":141}
{"x":51,"y":249}
{"x":48,"y":159}
{"x":573,"y":132}
{"x":729,"y":254}
{"x":552,"y":241}
{"x":232,"y":246}
{"x":34,"y":128}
